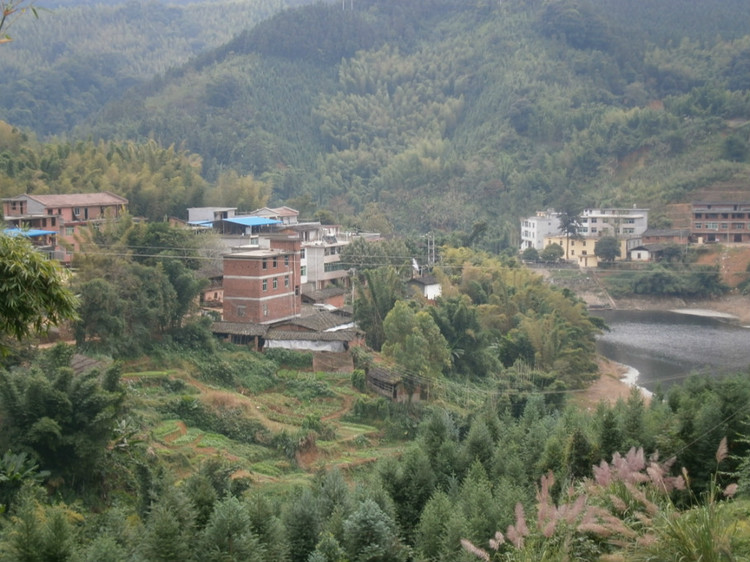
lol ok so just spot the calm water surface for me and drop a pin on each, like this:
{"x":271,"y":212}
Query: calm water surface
{"x":666,"y":347}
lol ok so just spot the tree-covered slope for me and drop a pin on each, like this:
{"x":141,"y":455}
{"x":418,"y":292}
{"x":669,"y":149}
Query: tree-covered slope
{"x":456,"y":113}
{"x":465,"y":112}
{"x":77,"y":57}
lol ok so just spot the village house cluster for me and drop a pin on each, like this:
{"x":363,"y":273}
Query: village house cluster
{"x":727,"y":222}
{"x":283,"y":284}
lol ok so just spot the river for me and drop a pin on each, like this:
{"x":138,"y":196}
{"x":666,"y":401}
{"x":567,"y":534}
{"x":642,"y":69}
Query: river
{"x":666,"y":347}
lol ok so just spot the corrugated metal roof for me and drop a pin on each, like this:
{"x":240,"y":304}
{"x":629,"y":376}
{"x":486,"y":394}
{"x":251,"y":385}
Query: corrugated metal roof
{"x":30,"y":233}
{"x":252,"y":221}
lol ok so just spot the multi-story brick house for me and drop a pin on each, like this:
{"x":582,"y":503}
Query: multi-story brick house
{"x":65,"y":214}
{"x":720,"y":222}
{"x":262,"y":285}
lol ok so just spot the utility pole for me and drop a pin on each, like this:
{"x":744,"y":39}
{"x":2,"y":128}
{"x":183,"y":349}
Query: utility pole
{"x":430,"y":249}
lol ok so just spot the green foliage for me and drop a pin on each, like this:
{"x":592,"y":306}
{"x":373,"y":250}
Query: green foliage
{"x":414,"y":341}
{"x":15,"y":470}
{"x":249,"y":370}
{"x":378,"y":291}
{"x":359,"y":380}
{"x":231,"y":422}
{"x":33,"y":290}
{"x":530,"y":254}
{"x":228,"y":534}
{"x":64,"y":420}
{"x":551,"y":252}
{"x":370,"y":535}
{"x":607,"y":248}
{"x":290,"y":358}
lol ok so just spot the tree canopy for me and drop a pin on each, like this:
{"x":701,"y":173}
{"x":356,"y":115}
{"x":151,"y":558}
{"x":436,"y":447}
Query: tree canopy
{"x":34,"y":292}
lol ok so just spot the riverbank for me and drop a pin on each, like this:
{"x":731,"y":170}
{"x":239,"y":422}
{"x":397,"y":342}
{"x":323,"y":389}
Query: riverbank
{"x":733,"y":306}
{"x":611,"y":386}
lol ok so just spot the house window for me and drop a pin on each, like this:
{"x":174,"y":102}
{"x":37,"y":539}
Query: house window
{"x":303,"y":270}
{"x":274,"y":262}
{"x":724,"y":226}
{"x":302,"y":253}
{"x":593,"y":229}
{"x":265,"y":264}
{"x":70,"y":230}
{"x":286,"y":281}
{"x":265,"y":284}
{"x":275,"y":283}
{"x":265,"y":310}
{"x":698,"y":225}
{"x":738,"y":226}
{"x":240,"y":311}
{"x":76,"y":211}
{"x":593,"y":220}
{"x":286,"y":260}
{"x":712,"y":226}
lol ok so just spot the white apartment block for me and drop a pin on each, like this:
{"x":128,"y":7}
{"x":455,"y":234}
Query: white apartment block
{"x":535,"y":229}
{"x":620,"y":223}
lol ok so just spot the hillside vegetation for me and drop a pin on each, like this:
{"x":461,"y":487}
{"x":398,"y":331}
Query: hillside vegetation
{"x":461,"y":114}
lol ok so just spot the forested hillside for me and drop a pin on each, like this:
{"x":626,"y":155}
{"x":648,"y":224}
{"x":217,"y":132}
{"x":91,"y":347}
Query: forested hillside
{"x":464,"y":114}
{"x":461,"y":113}
{"x":77,"y":56}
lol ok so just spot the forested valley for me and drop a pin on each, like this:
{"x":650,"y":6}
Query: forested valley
{"x":401,"y":117}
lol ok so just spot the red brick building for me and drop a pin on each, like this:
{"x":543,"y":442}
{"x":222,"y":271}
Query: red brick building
{"x":262,"y":285}
{"x":724,"y":222}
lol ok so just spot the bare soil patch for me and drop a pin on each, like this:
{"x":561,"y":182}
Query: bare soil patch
{"x":609,"y":387}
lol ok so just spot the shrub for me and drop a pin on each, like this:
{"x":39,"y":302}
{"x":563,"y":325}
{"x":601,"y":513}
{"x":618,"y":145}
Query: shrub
{"x":359,"y":380}
{"x":231,"y":422}
{"x":289,"y":358}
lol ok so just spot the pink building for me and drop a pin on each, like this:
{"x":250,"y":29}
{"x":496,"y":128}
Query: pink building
{"x":65,"y":214}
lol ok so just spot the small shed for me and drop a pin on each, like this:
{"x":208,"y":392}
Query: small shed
{"x":242,"y":333}
{"x":393,"y":385}
{"x":427,"y":286}
{"x":647,"y":252}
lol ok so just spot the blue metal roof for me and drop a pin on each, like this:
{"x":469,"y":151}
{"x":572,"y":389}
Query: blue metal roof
{"x":31,"y":233}
{"x":201,"y":223}
{"x":252,"y":221}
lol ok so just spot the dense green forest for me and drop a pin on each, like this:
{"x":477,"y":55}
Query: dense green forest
{"x":77,"y":56}
{"x":461,"y":113}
